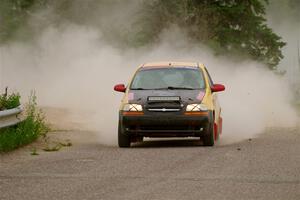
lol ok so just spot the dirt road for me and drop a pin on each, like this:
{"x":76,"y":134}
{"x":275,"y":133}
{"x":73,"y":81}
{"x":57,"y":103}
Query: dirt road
{"x":267,"y":167}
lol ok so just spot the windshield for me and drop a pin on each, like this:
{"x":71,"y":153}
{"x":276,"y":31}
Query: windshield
{"x":168,"y":78}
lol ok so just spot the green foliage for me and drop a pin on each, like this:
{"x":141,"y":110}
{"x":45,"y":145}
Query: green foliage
{"x":227,"y":26}
{"x":9,"y":101}
{"x":14,"y":15}
{"x":25,"y":132}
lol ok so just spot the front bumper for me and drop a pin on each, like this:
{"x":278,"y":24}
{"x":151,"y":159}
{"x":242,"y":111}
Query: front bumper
{"x":165,"y":125}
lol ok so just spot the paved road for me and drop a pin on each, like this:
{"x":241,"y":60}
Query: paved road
{"x":267,"y":167}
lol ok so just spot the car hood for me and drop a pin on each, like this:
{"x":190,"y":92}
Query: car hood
{"x":187,"y":96}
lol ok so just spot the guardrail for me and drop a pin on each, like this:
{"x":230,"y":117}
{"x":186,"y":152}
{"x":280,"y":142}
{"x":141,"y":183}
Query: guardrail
{"x":10,"y":117}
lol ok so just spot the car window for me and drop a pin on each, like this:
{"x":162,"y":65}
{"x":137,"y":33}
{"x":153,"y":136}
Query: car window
{"x":158,"y":78}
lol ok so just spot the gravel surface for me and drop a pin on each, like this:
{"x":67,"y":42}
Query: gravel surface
{"x":267,"y":167}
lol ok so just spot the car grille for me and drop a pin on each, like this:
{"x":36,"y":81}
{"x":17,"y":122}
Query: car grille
{"x":164,"y":106}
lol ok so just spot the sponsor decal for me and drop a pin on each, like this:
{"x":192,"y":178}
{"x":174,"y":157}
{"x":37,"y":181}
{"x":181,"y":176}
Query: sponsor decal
{"x":130,"y":96}
{"x":200,"y":95}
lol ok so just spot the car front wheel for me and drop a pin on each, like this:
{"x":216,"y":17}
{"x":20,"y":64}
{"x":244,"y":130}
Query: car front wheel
{"x":208,"y":138}
{"x":123,"y":139}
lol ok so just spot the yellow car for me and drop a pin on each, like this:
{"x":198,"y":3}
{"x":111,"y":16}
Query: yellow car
{"x":170,"y":99}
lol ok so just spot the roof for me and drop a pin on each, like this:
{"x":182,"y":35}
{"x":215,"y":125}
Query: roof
{"x":171,"y":64}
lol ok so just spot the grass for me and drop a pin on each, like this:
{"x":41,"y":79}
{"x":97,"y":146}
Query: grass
{"x":9,"y":101}
{"x":25,"y":132}
{"x":34,"y":152}
{"x":56,"y":146}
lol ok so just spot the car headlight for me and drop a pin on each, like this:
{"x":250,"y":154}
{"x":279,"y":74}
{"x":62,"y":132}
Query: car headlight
{"x":196,"y":107}
{"x":132,"y":108}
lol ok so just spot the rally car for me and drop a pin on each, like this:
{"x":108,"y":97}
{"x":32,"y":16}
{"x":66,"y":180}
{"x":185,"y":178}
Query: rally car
{"x":170,"y":99}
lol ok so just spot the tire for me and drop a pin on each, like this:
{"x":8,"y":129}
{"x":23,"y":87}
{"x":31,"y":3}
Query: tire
{"x":123,"y":139}
{"x":209,"y":137}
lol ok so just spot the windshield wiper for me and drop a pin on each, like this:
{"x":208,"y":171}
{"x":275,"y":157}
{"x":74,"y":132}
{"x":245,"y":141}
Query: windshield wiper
{"x":139,"y":89}
{"x":175,"y":88}
{"x":167,"y":88}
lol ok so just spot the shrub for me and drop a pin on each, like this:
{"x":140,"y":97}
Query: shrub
{"x":9,"y":101}
{"x":25,"y":132}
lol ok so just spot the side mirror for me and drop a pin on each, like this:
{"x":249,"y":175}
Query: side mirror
{"x":217,"y":88}
{"x":120,"y":88}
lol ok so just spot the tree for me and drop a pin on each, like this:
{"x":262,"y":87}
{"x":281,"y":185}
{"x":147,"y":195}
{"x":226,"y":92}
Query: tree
{"x":228,"y":26}
{"x":13,"y":15}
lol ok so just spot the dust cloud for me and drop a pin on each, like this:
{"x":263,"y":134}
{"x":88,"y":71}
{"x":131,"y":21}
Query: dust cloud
{"x":284,"y":18}
{"x":73,"y":69}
